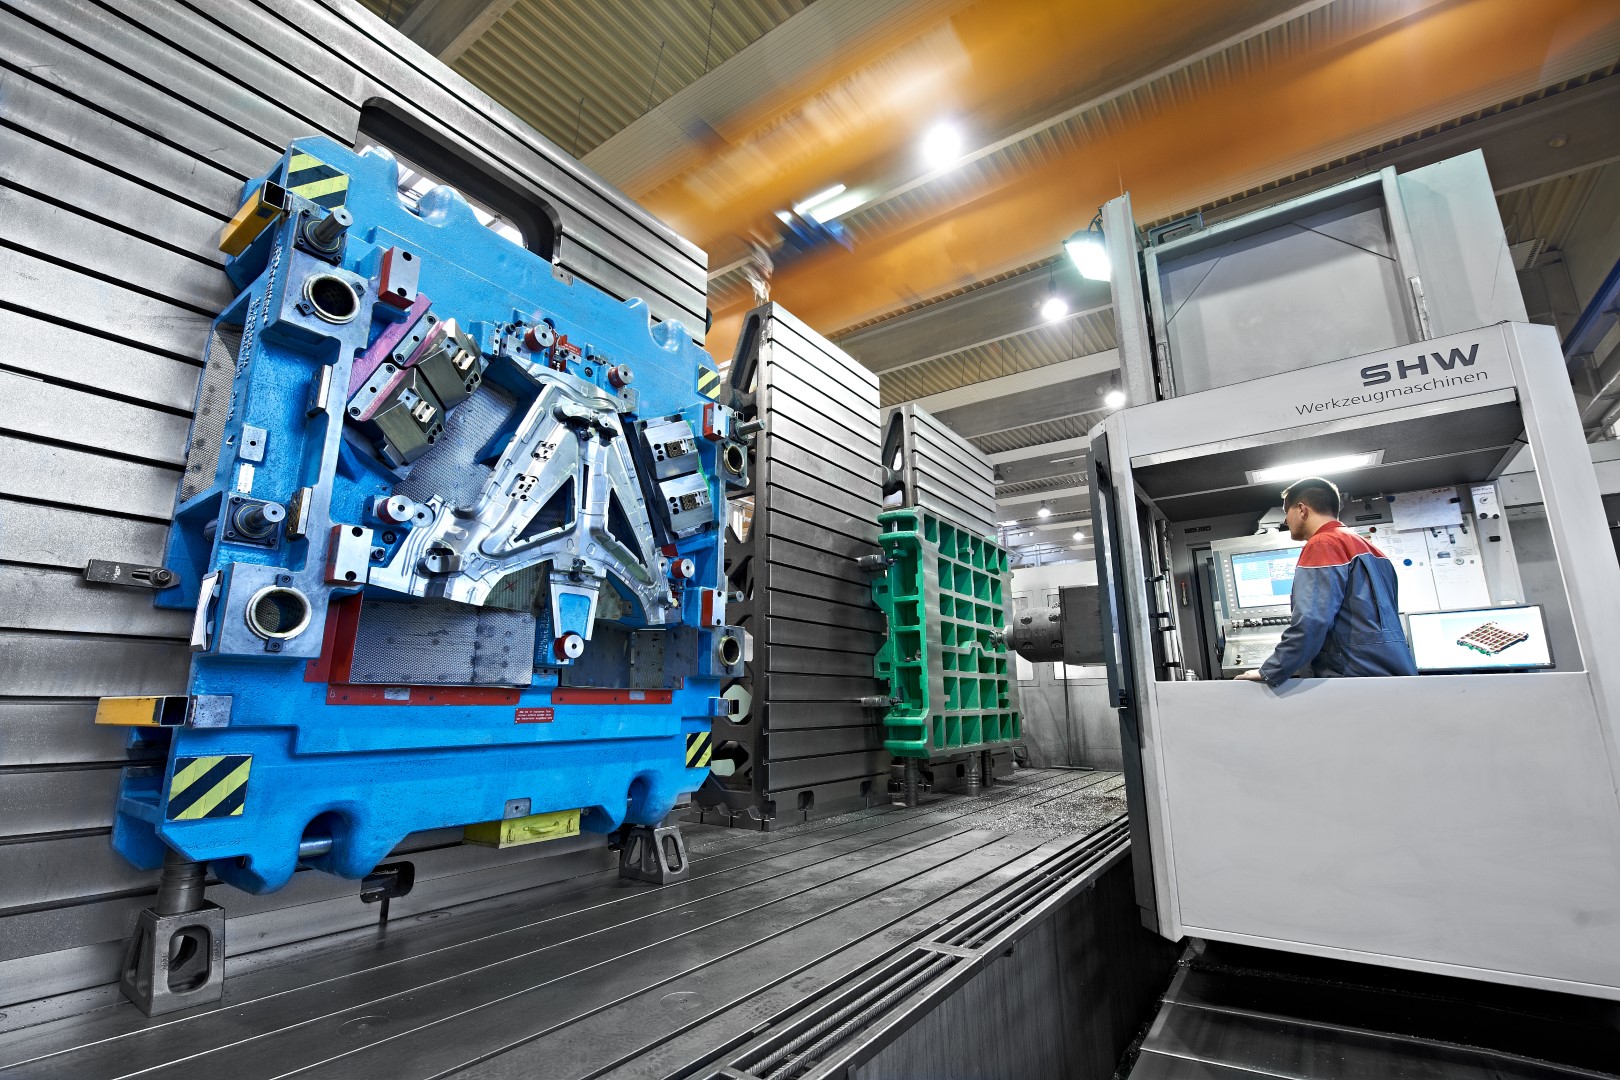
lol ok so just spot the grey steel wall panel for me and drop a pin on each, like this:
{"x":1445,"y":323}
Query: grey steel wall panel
{"x":54,"y":733}
{"x":816,"y":487}
{"x":941,"y":471}
{"x":130,"y":129}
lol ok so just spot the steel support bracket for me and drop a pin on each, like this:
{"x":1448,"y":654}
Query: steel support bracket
{"x":655,"y":853}
{"x":175,"y":962}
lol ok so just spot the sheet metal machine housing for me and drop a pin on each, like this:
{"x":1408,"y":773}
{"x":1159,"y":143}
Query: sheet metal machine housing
{"x":410,"y":423}
{"x":1253,"y":816}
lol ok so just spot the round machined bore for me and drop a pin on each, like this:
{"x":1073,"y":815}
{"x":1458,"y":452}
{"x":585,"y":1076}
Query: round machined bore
{"x":333,"y":299}
{"x":730,"y":650}
{"x":278,"y":613}
{"x":734,"y":458}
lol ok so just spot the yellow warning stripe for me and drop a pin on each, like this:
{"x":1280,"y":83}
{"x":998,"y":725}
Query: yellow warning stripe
{"x":699,"y":749}
{"x":313,"y":179}
{"x":315,"y":190}
{"x":209,"y":786}
{"x":708,"y":382}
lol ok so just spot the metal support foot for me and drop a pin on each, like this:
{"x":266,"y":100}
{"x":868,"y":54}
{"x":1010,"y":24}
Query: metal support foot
{"x":974,"y":775}
{"x":988,"y":769}
{"x":654,"y":853}
{"x":909,"y":782}
{"x":176,"y":958}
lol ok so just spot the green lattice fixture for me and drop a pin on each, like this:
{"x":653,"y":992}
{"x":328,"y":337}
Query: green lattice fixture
{"x":949,"y":672}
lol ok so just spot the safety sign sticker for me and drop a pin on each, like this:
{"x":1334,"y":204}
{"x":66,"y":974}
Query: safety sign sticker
{"x":709,"y":382}
{"x":316,"y":181}
{"x":208,"y":787}
{"x":699,"y":749}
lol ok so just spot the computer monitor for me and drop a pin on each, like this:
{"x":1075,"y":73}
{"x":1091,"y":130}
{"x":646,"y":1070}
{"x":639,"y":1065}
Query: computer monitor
{"x":1480,"y":639}
{"x":1264,"y":579}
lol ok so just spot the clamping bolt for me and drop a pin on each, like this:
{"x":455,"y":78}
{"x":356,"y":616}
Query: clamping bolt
{"x":258,"y":521}
{"x":327,"y":232}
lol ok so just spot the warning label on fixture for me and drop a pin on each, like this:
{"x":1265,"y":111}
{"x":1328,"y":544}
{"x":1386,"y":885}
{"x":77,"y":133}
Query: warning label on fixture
{"x":536,"y":716}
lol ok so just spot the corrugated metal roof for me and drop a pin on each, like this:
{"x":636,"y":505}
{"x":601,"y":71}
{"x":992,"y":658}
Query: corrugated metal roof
{"x":1049,"y":483}
{"x":1072,"y":427}
{"x":1082,"y":335}
{"x":579,"y":71}
{"x":1547,"y":210}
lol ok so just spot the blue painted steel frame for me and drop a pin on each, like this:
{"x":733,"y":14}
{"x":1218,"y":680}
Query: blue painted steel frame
{"x":370,"y":774}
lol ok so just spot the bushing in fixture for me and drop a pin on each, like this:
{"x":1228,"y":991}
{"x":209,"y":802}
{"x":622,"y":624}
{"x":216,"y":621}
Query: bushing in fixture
{"x":278,"y":612}
{"x":333,"y":299}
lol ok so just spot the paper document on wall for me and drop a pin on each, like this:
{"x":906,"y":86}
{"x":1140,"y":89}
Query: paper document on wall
{"x":1409,"y":553}
{"x":1457,"y":569}
{"x":1426,"y":509}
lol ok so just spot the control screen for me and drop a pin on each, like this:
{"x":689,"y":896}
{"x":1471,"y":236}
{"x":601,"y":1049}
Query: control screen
{"x":1480,"y":639}
{"x":1264,"y":578}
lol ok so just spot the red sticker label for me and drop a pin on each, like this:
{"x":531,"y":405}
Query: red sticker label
{"x":536,"y":716}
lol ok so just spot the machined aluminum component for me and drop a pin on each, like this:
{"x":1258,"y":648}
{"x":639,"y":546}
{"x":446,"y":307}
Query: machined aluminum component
{"x":452,"y":364}
{"x":348,"y":556}
{"x":563,"y":492}
{"x":687,"y":502}
{"x":672,"y":446}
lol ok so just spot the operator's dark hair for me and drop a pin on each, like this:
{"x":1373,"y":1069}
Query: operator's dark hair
{"x":1316,"y":493}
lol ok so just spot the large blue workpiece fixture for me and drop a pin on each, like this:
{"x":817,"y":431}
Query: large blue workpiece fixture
{"x":450,"y":526}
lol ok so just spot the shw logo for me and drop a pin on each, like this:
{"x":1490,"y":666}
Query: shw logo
{"x":1374,"y":374}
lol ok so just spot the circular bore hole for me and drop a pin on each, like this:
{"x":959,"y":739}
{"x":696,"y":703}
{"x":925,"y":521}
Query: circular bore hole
{"x":333,"y":299}
{"x":730,"y":650}
{"x":735,"y":459}
{"x":277,"y":613}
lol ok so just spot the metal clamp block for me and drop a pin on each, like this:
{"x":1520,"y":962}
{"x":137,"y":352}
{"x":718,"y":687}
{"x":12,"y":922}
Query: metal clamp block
{"x":654,"y":853}
{"x":175,"y":961}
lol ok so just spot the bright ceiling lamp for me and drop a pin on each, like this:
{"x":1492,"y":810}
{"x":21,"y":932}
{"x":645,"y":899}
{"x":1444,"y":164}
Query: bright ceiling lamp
{"x":1114,"y":398}
{"x":1078,"y":535}
{"x":1045,"y":511}
{"x":817,"y":199}
{"x":1088,"y":252}
{"x":942,"y":145}
{"x":1320,"y":467}
{"x":823,"y":206}
{"x":1006,"y":524}
{"x":1054,"y":308}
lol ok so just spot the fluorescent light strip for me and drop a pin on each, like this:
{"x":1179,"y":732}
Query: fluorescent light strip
{"x":1319,"y":467}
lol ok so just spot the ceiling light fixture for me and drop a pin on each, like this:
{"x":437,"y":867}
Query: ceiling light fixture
{"x":817,"y":199}
{"x":1089,"y":253}
{"x":1320,"y":467}
{"x":1078,"y":535}
{"x":1045,"y":511}
{"x":1114,"y":398}
{"x":1054,"y":308}
{"x":942,"y":145}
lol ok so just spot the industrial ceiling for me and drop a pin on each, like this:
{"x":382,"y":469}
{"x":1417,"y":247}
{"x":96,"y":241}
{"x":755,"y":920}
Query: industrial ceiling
{"x":718,"y":114}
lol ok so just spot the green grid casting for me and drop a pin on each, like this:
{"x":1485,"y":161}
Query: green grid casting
{"x":947,"y":668}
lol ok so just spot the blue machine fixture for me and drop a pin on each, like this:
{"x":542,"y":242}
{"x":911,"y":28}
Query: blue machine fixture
{"x":450,"y":526}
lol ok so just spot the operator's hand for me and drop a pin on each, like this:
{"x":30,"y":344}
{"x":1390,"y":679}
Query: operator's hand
{"x":1249,"y":676}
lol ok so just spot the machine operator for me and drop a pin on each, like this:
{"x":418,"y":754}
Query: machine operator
{"x":1345,"y":617}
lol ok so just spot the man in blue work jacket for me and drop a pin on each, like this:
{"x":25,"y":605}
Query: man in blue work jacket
{"x":1346,"y":617}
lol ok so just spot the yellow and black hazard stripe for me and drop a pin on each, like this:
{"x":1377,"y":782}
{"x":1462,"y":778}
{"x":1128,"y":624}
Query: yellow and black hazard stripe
{"x":699,"y":749}
{"x":208,"y":787}
{"x":709,"y":383}
{"x":316,"y":181}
